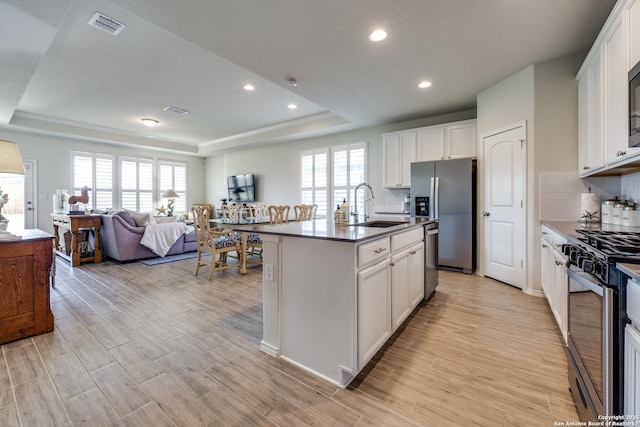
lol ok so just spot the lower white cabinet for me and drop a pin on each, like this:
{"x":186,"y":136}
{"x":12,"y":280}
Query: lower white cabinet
{"x":632,"y":372}
{"x":407,"y":283}
{"x":554,"y":279}
{"x":374,"y":309}
{"x":416,"y":275}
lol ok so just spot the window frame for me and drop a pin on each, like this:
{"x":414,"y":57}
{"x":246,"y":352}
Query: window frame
{"x":76,"y":187}
{"x":331,"y":189}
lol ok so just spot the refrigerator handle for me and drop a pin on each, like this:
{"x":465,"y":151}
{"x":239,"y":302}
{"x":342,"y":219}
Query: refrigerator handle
{"x":436,"y":198}
{"x":432,"y":191}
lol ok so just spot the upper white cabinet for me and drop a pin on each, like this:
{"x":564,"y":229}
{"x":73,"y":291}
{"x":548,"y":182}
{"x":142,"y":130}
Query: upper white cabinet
{"x":603,"y":92}
{"x":451,"y":141}
{"x":615,"y":90}
{"x":399,"y":152}
{"x":590,"y":113}
{"x":448,"y":141}
{"x":634,"y":32}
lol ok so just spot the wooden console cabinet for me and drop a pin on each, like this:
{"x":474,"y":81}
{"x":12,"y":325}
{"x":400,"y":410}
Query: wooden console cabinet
{"x":75,"y":223}
{"x":25,"y":264}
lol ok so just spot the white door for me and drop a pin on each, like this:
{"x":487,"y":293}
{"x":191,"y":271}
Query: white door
{"x":504,"y":172}
{"x":19,"y":190}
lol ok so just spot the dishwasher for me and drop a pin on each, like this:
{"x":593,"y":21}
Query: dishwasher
{"x":430,"y":259}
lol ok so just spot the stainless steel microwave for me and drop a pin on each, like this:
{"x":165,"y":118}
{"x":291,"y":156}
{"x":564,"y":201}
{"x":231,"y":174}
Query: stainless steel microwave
{"x":634,"y":106}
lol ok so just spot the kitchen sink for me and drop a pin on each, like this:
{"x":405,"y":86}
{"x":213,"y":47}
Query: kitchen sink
{"x":379,"y":224}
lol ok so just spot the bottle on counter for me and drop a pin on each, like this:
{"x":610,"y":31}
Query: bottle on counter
{"x":345,"y":210}
{"x":339,"y":218}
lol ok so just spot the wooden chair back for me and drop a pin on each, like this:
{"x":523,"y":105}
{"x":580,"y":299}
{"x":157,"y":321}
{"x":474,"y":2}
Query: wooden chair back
{"x":279,"y":214}
{"x":305,"y":212}
{"x":218,"y":242}
{"x":232,"y":213}
{"x":201,"y":215}
{"x":258,"y":210}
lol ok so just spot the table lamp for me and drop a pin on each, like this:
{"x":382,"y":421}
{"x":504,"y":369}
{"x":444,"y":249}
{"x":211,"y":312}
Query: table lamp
{"x":171,"y":195}
{"x":10,"y":160}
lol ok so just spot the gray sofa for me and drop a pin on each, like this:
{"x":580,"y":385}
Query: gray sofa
{"x":120,"y":238}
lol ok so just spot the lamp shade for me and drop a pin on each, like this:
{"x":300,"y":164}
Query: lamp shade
{"x":169,"y":193}
{"x":10,"y":160}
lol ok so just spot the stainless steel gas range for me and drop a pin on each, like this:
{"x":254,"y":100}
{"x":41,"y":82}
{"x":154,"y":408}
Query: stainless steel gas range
{"x":597,"y":318}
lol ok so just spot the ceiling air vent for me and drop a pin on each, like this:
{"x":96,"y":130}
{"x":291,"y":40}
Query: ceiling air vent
{"x":176,"y":110}
{"x":107,"y":24}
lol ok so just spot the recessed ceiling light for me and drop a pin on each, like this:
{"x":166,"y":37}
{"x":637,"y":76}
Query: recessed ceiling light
{"x":292,"y":106}
{"x":249,"y":87}
{"x":378,"y":35}
{"x":150,"y":122}
{"x":424,"y":84}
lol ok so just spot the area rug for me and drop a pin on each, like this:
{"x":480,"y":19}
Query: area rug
{"x":170,"y":258}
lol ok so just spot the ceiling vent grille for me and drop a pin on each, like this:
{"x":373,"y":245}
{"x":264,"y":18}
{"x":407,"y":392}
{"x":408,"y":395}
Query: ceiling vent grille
{"x":176,"y":110}
{"x":107,"y":24}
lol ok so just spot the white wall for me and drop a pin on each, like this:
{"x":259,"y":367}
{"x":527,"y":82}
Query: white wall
{"x":53,"y":166}
{"x":545,"y":95}
{"x":510,"y":101}
{"x":277,"y":167}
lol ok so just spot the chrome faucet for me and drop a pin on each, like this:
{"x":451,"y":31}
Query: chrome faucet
{"x":355,"y":200}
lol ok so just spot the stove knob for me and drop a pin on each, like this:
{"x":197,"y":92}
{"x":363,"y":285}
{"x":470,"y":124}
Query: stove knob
{"x":589,"y":266}
{"x":574,"y":254}
{"x":566,"y":248}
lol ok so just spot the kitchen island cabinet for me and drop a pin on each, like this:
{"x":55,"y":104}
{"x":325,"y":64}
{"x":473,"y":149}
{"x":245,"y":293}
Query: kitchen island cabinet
{"x":328,"y":291}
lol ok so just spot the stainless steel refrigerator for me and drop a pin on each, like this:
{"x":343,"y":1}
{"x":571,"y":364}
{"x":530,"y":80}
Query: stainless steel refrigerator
{"x":446,"y":190}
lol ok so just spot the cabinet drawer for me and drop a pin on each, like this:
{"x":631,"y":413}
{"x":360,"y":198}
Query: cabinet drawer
{"x":633,"y":301}
{"x":373,"y":251}
{"x":407,"y":238}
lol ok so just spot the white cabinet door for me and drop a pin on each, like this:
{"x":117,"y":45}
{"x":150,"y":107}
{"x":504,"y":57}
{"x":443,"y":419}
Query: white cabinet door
{"x":400,"y":308}
{"x":614,"y":56}
{"x":544,"y":269}
{"x":461,"y":141}
{"x":451,"y":141}
{"x":416,"y":275}
{"x":430,"y":144}
{"x":399,"y":152}
{"x":561,"y":284}
{"x":590,"y":116}
{"x":391,"y":159}
{"x":632,"y":372}
{"x":374,"y":310}
{"x":634,"y":32}
{"x":596,"y":157}
{"x":407,"y":156}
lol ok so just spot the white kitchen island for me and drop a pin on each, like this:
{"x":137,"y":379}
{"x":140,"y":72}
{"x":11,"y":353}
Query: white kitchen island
{"x":333,"y":295}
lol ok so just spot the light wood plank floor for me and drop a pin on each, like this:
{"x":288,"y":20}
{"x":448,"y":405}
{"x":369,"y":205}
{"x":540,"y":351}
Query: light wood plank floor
{"x":155,"y":346}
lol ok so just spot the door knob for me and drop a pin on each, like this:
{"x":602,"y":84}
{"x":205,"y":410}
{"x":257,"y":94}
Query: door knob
{"x":485,"y":213}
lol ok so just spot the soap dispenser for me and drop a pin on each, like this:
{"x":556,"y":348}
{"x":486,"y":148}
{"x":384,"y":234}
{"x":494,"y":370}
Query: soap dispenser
{"x":345,"y":210}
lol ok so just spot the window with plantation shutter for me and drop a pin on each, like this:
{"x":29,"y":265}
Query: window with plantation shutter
{"x":328,"y":176}
{"x":136,"y":182}
{"x":314,"y":183}
{"x":174,"y":175}
{"x":96,"y":171}
{"x":348,"y":172}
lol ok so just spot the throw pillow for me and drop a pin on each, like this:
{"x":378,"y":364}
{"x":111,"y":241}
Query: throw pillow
{"x":165,"y":219}
{"x":141,"y":219}
{"x":126,"y":216}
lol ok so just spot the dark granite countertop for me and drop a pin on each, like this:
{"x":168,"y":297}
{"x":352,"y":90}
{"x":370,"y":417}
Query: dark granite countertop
{"x":326,"y":229}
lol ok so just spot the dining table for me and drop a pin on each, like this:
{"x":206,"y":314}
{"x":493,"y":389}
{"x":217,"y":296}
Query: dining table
{"x":242,"y":232}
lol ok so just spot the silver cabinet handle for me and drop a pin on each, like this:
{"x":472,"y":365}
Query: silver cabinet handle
{"x":379,"y":251}
{"x":485,"y":213}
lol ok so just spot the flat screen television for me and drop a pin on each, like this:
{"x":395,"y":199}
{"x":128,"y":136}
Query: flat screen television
{"x":241,"y":188}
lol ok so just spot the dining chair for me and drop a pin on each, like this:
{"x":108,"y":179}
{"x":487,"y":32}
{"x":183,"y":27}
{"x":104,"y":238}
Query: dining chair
{"x":305,"y":212}
{"x":219,"y":242}
{"x":232,"y":213}
{"x":279,"y":214}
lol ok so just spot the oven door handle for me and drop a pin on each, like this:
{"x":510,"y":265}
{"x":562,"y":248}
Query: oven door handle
{"x":585,"y":280}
